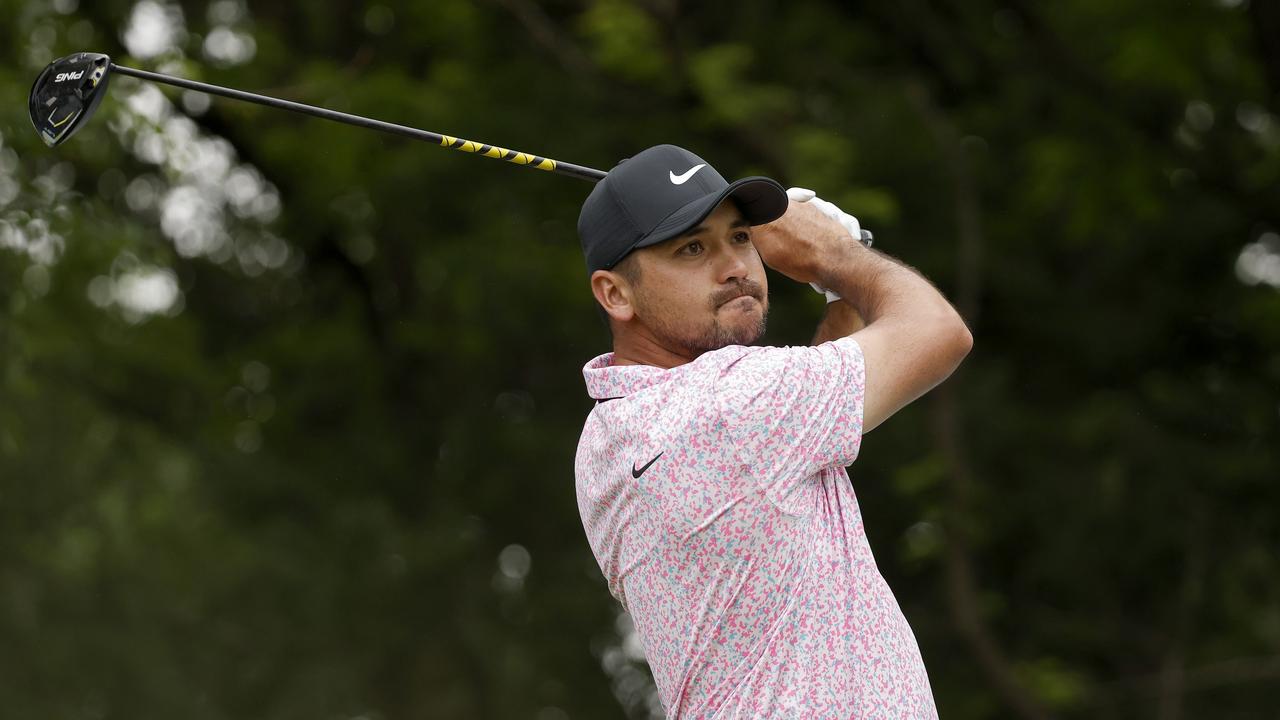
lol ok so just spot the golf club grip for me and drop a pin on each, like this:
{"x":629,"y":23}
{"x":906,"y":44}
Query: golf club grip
{"x":492,"y":151}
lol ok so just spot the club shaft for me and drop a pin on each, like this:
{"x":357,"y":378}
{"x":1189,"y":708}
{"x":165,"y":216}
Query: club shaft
{"x":455,"y":143}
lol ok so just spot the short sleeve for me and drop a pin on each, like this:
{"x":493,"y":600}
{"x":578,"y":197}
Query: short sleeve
{"x":794,"y":411}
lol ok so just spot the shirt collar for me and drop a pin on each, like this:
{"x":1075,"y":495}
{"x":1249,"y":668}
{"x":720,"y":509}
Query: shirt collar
{"x":606,"y":380}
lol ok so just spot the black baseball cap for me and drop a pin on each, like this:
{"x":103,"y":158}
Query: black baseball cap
{"x":660,"y":193}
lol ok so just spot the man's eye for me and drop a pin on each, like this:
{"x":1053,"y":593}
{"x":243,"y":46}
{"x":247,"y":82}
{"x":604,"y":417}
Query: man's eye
{"x":742,"y":237}
{"x":693,"y":248}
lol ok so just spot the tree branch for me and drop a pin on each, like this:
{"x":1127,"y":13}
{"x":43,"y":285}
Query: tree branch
{"x":544,"y":32}
{"x":962,"y":584}
{"x":962,"y":581}
{"x":1266,"y":28}
{"x":1212,"y":676}
{"x":1173,"y":676}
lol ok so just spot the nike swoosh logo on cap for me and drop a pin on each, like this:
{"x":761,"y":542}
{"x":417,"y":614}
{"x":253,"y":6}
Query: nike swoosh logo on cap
{"x":683,"y":177}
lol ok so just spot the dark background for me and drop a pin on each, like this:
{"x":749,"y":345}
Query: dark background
{"x":288,"y":409}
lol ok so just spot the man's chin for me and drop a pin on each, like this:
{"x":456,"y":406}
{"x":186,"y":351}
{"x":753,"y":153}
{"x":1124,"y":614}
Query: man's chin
{"x":746,"y":320}
{"x":743,"y":332}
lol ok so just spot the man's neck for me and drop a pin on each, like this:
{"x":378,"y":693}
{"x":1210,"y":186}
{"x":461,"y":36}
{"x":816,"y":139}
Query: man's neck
{"x":641,"y":348}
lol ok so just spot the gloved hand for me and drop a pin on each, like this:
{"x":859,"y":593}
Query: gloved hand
{"x":847,"y":221}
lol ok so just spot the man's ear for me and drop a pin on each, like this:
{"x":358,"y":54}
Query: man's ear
{"x":614,"y":294}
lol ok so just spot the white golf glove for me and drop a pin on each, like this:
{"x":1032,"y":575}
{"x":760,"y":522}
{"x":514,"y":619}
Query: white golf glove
{"x":847,"y":221}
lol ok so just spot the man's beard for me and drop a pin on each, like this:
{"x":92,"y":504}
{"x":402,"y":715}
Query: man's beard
{"x":693,"y":342}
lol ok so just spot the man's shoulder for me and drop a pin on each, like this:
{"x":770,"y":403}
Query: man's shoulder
{"x":739,"y":359}
{"x":654,"y":396}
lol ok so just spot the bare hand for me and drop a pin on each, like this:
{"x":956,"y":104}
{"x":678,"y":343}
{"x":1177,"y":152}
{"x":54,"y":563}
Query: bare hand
{"x":801,"y":242}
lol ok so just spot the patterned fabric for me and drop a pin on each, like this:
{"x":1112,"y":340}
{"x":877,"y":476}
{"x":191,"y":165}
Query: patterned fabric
{"x":739,"y":549}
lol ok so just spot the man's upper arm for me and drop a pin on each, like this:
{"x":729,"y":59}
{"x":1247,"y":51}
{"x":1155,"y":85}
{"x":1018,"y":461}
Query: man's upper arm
{"x":905,"y":359}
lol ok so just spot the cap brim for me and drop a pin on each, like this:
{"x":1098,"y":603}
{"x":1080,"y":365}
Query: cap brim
{"x":760,"y":199}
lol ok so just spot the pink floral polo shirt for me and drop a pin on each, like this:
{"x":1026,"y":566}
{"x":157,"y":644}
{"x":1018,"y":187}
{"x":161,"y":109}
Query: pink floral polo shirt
{"x":715,"y":499}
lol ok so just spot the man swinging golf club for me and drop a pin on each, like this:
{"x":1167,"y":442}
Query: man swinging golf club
{"x":711,"y":474}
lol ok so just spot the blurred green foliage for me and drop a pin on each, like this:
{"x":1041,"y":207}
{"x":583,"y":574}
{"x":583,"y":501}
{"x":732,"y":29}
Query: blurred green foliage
{"x":288,"y":409}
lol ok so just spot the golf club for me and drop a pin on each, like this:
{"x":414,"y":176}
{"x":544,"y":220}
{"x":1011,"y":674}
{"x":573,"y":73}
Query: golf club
{"x":68,"y":91}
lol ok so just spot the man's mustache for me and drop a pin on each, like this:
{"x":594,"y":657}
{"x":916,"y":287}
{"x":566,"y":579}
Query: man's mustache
{"x":738,"y":289}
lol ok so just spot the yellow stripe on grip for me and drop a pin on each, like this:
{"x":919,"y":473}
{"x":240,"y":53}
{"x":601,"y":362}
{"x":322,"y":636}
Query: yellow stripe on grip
{"x":496,"y":152}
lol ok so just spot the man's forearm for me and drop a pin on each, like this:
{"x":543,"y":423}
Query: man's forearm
{"x":875,"y":285}
{"x":838,"y":320}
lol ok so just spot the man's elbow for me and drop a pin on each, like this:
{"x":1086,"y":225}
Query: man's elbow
{"x":951,"y":341}
{"x":963,"y":341}
{"x":958,"y":343}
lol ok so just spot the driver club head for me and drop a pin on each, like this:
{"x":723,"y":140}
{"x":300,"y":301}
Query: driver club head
{"x":66,"y":94}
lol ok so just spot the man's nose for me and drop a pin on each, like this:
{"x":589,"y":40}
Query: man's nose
{"x":731,"y":266}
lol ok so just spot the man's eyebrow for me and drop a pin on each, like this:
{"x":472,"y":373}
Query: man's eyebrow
{"x":739,"y":223}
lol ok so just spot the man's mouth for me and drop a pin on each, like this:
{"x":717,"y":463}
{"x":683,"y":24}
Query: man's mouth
{"x":742,"y":291}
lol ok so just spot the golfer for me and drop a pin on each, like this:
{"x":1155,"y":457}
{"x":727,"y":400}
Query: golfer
{"x":711,"y":474}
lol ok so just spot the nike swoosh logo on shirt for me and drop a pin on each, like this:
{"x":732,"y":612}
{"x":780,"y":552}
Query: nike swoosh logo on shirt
{"x":683,"y":177}
{"x":637,"y":473}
